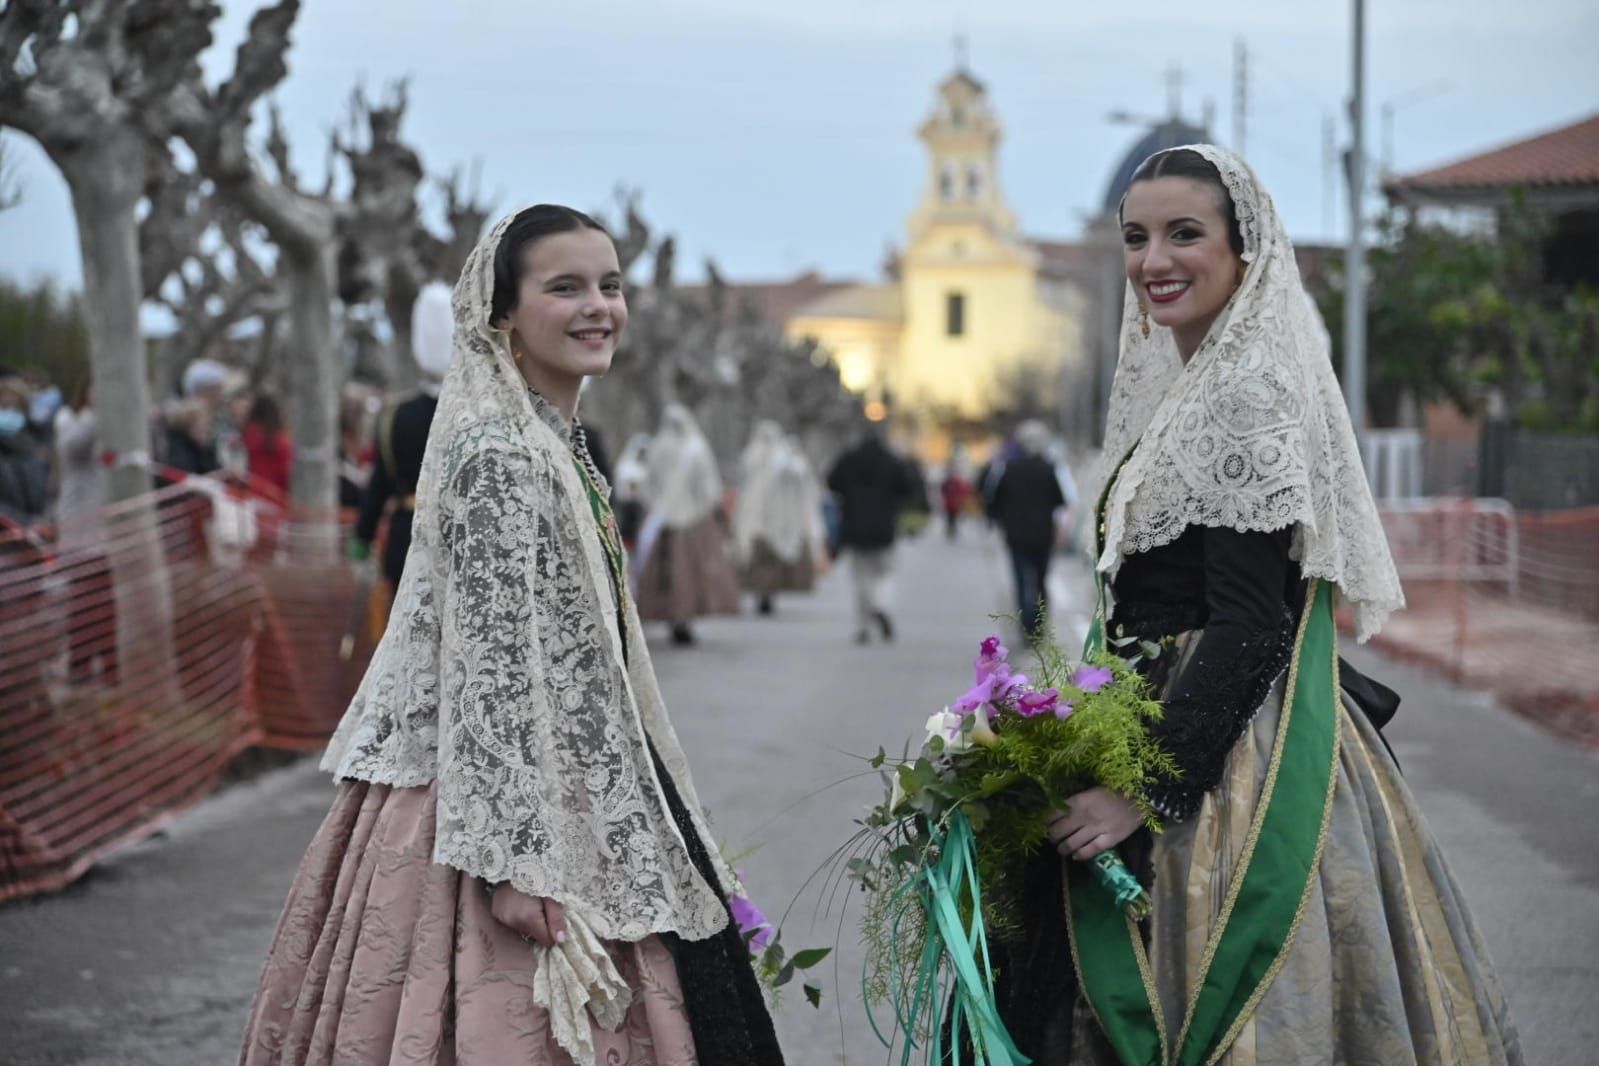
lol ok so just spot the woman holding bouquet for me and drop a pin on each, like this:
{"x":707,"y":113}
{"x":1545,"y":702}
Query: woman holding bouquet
{"x":515,"y":868}
{"x":1302,"y":911}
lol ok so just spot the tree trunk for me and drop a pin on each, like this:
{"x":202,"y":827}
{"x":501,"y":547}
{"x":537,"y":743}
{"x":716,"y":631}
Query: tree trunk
{"x":315,"y":377}
{"x":105,"y":184}
{"x":398,"y":303}
{"x":105,"y":193}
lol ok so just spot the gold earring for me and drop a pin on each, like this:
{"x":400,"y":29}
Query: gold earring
{"x":1143,"y":318}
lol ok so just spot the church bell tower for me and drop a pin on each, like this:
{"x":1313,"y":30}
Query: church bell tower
{"x":962,"y":138}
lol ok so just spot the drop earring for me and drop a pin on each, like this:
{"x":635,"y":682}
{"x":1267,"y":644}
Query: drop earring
{"x":1143,"y":318}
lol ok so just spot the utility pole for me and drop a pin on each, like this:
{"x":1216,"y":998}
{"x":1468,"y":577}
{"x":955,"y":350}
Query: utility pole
{"x":1240,"y":94}
{"x":1329,"y":174}
{"x":1355,"y":254}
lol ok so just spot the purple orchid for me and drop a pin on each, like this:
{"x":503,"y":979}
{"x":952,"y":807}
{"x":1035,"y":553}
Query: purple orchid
{"x":1092,"y":678}
{"x":1038,"y":701}
{"x":750,"y":920}
{"x":993,"y":690}
{"x":1063,"y":709}
{"x":991,"y":658}
{"x":995,"y":684}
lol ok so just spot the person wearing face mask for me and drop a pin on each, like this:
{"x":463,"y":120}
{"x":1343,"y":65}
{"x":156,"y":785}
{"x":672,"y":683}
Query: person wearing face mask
{"x":515,"y":868}
{"x":1303,"y":912}
{"x":24,"y":474}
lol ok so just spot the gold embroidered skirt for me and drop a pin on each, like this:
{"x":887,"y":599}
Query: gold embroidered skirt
{"x":1386,"y":966}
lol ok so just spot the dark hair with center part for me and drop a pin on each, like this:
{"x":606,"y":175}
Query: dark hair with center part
{"x":1187,"y":163}
{"x":527,"y":228}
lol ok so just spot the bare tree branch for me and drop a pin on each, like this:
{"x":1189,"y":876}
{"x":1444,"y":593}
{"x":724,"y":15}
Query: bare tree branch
{"x":466,"y":213}
{"x":634,"y":236}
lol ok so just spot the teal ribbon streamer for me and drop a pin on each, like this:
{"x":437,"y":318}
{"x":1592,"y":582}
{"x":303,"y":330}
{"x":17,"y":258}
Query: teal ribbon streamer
{"x":954,"y":952}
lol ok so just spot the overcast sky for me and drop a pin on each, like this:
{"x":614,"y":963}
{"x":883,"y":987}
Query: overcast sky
{"x":776,"y":137}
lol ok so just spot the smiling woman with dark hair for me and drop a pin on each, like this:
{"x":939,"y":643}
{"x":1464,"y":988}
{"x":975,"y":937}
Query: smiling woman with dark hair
{"x":516,"y":868}
{"x":1303,"y":912}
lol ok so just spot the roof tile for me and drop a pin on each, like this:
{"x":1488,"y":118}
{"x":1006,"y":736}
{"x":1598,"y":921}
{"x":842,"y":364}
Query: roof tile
{"x":1565,"y":156}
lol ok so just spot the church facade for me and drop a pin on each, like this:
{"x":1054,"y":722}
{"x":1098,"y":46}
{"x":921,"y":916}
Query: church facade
{"x":972,"y":308}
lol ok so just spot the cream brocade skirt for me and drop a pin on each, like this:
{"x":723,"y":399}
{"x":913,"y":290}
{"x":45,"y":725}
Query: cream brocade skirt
{"x":1386,"y":968}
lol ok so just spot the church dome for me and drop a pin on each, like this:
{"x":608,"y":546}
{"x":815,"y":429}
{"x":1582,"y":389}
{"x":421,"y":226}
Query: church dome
{"x":1169,"y":134}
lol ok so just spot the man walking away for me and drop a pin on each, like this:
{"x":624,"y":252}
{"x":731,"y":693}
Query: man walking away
{"x":1024,"y":503}
{"x":871,"y":484}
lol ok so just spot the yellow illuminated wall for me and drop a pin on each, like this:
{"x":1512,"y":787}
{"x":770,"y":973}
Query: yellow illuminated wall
{"x":962,"y":240}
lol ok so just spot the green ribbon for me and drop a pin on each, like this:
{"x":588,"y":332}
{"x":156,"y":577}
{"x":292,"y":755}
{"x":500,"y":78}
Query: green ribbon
{"x":1271,"y":884}
{"x":956,"y":946}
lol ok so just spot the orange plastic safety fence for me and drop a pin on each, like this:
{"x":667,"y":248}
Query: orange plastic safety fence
{"x":141,"y":650}
{"x":1504,"y":602}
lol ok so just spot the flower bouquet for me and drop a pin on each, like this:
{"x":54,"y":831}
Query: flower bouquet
{"x":939,"y":859}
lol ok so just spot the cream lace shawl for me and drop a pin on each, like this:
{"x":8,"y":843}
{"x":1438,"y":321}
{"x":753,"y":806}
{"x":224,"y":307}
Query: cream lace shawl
{"x":684,"y":485}
{"x":501,"y":676}
{"x":1253,"y":433}
{"x":779,"y":498}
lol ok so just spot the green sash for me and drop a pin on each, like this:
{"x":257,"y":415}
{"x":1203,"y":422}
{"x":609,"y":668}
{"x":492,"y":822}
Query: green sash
{"x":1267,"y":895}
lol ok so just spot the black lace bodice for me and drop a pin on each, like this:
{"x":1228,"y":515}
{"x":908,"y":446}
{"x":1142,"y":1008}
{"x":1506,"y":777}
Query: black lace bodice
{"x":1243,"y":592}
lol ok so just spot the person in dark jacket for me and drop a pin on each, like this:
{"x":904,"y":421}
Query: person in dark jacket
{"x":191,"y":438}
{"x":1025,"y":499}
{"x":872,"y":485}
{"x":24,"y":476}
{"x":402,"y":437}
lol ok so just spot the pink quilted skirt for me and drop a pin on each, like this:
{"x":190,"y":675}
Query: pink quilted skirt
{"x":384,"y":957}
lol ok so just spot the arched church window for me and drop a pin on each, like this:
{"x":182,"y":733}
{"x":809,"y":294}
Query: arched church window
{"x":957,"y":116}
{"x":974,"y":181}
{"x":946,"y":182}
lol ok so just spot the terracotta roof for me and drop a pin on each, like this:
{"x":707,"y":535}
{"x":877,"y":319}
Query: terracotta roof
{"x":777,"y":301}
{"x":1566,"y":156}
{"x":1058,"y":259}
{"x":874,"y":303}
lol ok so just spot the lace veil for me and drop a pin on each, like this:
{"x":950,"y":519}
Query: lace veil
{"x":779,"y":499}
{"x":502,"y":677}
{"x":685,"y":485}
{"x":1253,"y":433}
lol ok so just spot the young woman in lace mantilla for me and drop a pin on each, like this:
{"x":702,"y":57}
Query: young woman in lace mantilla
{"x":777,"y":522}
{"x":1302,"y":910}
{"x":685,"y":567}
{"x":515,"y":868}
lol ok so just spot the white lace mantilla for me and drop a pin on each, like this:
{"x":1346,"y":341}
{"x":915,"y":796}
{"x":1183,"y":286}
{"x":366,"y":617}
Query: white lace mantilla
{"x":502,"y":676}
{"x":1253,"y":433}
{"x":684,"y":485}
{"x":779,"y":498}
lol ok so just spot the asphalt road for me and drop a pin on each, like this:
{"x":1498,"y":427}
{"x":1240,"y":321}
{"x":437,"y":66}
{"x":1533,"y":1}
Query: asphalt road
{"x":153,"y":957}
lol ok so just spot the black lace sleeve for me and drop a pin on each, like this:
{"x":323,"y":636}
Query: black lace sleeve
{"x":1219,"y":681}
